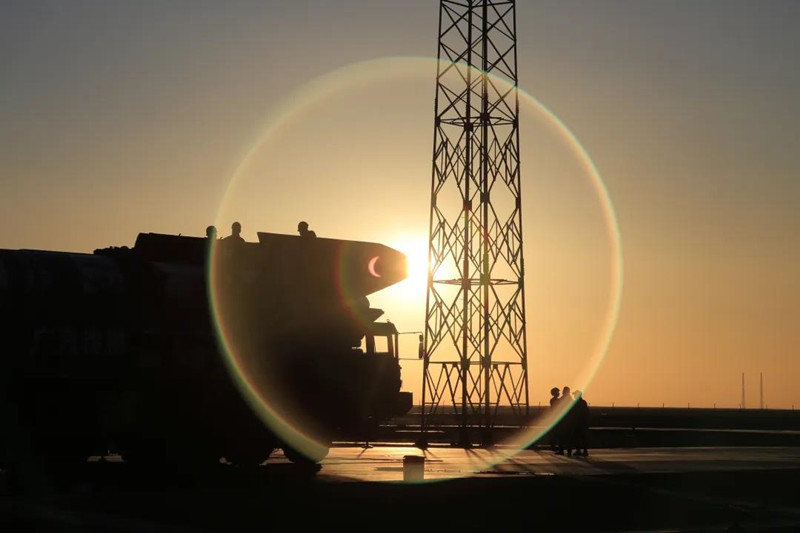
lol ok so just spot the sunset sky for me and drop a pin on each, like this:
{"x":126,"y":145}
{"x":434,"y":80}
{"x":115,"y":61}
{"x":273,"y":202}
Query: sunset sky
{"x":167,"y":116}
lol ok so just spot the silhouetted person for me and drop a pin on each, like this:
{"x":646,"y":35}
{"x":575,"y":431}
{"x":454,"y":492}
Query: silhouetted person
{"x":554,"y":392}
{"x":580,"y":417}
{"x":302,"y":229}
{"x":211,"y":239}
{"x":566,"y":425}
{"x":228,"y":262}
{"x":231,"y":249}
{"x":236,"y":234}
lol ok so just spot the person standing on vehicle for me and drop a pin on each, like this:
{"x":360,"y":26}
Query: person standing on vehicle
{"x":236,"y":234}
{"x":302,"y":229}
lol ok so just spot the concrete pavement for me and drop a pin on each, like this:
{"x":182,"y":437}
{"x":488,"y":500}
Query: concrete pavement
{"x":386,"y":463}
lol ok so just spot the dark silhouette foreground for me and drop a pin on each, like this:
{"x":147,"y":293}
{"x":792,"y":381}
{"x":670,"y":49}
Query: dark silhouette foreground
{"x":118,"y":350}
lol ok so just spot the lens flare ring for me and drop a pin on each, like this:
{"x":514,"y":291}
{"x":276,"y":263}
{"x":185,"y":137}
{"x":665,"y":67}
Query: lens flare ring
{"x":295,"y":108}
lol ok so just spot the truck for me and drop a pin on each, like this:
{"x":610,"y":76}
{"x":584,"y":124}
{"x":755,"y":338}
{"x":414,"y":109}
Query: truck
{"x":190,"y":351}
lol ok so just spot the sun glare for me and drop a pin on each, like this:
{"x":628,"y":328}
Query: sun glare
{"x":416,"y":251}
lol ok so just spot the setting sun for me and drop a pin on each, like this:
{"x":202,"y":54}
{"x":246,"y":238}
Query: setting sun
{"x":416,"y":250}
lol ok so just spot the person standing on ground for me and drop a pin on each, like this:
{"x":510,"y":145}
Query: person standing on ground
{"x":567,"y":423}
{"x":554,"y":439}
{"x":554,"y":393}
{"x":581,"y":425}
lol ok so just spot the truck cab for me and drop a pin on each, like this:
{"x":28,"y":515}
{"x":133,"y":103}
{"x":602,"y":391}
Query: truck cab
{"x":382,"y":340}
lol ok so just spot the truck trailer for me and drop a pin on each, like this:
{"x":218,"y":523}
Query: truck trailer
{"x":192,"y":350}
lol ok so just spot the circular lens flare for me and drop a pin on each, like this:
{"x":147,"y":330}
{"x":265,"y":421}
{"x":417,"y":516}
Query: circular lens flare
{"x":295,"y":139}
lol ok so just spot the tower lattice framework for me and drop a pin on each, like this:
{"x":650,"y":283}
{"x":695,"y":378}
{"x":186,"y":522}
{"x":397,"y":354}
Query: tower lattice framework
{"x":475,"y":354}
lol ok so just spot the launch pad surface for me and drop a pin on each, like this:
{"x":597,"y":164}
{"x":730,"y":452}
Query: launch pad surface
{"x":382,"y":463}
{"x":645,"y":489}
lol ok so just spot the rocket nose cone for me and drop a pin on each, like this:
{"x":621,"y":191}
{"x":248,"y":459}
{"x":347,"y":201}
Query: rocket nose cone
{"x":393,"y":266}
{"x":370,"y":267}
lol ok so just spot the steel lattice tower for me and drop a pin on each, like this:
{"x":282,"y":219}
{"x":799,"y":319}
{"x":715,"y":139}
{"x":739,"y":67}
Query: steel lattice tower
{"x":475,"y":356}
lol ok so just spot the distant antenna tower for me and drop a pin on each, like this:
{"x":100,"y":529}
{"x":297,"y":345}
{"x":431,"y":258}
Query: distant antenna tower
{"x":761,"y":391}
{"x":475,"y":356}
{"x":743,"y":397}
